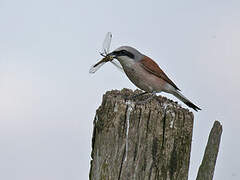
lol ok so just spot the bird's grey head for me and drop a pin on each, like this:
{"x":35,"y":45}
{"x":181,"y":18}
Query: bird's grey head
{"x":127,"y":52}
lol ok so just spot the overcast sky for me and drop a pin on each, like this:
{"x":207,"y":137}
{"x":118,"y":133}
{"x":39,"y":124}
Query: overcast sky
{"x":48,"y":98}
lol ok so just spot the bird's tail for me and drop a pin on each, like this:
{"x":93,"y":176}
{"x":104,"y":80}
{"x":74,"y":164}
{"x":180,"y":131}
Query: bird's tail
{"x":182,"y":98}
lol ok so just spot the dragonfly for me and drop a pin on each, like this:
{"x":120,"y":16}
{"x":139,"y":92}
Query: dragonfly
{"x":106,"y":57}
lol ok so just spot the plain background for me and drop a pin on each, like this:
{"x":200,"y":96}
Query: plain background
{"x":48,"y":99}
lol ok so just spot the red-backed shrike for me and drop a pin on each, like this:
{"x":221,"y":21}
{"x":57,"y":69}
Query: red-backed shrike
{"x":146,"y":74}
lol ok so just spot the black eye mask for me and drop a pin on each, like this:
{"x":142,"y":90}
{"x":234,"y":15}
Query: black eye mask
{"x":123,"y":53}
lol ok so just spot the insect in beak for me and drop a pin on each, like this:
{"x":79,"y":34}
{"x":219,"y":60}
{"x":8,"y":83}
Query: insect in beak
{"x":107,"y":57}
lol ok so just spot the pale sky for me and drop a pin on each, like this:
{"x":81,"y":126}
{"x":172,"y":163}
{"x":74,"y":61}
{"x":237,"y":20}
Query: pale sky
{"x":48,"y":98}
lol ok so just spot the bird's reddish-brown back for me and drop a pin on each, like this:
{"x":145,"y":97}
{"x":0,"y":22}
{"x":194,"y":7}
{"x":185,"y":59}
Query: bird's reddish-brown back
{"x":152,"y":67}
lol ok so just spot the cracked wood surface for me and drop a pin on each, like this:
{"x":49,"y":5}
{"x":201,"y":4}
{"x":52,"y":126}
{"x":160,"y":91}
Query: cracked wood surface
{"x":137,"y":142}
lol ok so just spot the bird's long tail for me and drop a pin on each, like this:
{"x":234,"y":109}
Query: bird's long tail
{"x":182,"y":98}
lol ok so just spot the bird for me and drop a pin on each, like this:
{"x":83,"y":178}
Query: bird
{"x":146,"y":74}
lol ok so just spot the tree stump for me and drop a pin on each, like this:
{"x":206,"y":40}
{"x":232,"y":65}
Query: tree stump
{"x":140,"y":141}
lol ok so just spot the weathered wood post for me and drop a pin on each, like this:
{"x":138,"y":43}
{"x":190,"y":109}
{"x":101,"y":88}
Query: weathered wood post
{"x":135,"y":142}
{"x":206,"y":169}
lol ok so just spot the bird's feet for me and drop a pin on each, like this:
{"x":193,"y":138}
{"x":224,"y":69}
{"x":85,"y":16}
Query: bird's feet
{"x":134,"y":97}
{"x":152,"y":95}
{"x":141,"y":101}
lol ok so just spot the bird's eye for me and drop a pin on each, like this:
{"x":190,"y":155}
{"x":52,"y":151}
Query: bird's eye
{"x":123,"y":51}
{"x":129,"y":54}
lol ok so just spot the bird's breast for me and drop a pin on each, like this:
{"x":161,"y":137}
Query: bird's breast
{"x":140,"y":77}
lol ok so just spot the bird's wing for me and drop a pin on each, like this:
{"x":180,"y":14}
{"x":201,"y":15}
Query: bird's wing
{"x":152,"y":67}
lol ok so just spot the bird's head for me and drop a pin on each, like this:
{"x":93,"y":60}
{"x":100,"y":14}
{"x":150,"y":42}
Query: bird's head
{"x":126,"y":53}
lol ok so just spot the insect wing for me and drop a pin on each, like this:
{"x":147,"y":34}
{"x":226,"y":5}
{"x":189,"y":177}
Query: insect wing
{"x":117,"y":64}
{"x":94,"y":68}
{"x":107,"y":43}
{"x":106,"y":48}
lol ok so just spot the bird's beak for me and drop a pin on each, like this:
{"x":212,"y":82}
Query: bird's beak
{"x":112,"y":55}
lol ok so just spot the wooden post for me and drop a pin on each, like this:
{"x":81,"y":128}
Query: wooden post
{"x":206,"y":169}
{"x":138,"y":142}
